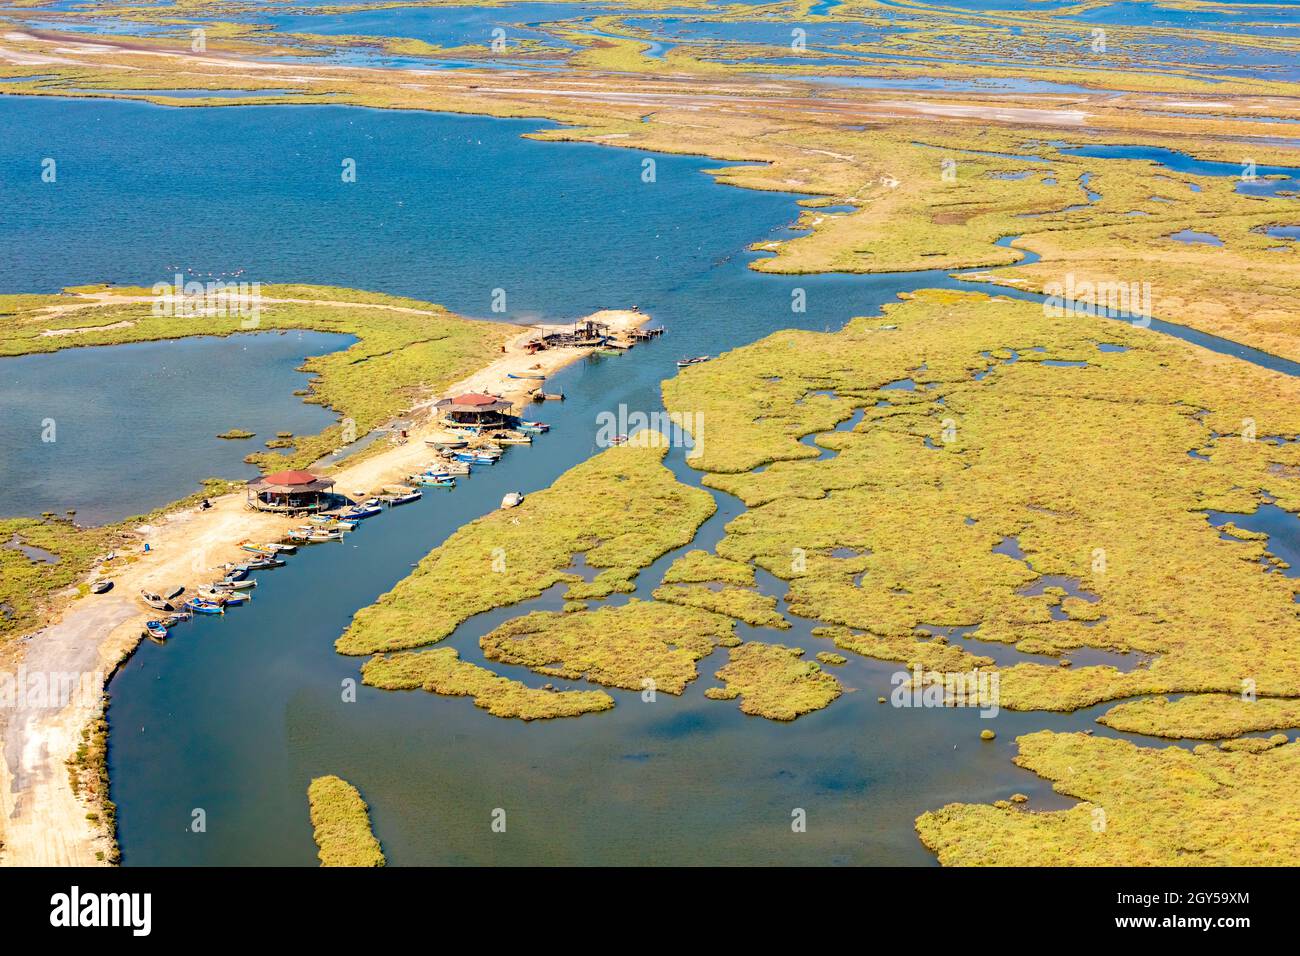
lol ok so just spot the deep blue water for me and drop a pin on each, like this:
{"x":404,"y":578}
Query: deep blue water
{"x":235,"y":715}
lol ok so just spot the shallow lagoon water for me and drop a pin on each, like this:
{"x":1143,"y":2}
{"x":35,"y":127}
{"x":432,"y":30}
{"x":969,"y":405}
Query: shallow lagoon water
{"x":135,"y":425}
{"x":235,"y":715}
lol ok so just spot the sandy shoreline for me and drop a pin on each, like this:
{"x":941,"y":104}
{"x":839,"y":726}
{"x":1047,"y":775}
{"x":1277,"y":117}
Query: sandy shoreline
{"x":42,"y":822}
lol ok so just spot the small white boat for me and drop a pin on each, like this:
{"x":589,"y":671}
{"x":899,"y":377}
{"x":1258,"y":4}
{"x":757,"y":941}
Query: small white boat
{"x":443,"y":467}
{"x":513,"y":500}
{"x":403,"y":497}
{"x":538,"y":427}
{"x":246,"y":584}
{"x":515,"y":438}
{"x":683,"y":363}
{"x":224,"y":598}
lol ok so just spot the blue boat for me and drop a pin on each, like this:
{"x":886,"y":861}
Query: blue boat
{"x":204,"y":607}
{"x":475,"y":459}
{"x":156,"y":630}
{"x":365,"y":510}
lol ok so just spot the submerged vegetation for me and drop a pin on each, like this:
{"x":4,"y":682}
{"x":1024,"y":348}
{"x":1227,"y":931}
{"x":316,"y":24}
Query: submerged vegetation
{"x":341,"y":821}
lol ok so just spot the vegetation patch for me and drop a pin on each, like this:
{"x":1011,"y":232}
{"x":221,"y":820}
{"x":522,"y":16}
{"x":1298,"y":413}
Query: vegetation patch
{"x":958,"y":502}
{"x":341,"y":822}
{"x":621,"y":508}
{"x":1141,"y":807}
{"x":441,"y":671}
{"x":701,"y":567}
{"x":1201,"y":716}
{"x":637,"y":646}
{"x":743,"y":604}
{"x":771,"y":681}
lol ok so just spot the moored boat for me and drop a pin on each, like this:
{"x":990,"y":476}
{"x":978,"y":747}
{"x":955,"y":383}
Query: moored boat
{"x":442,"y":466}
{"x":446,"y":445}
{"x":402,"y":497}
{"x":156,"y":629}
{"x":263,"y":549}
{"x":246,"y":584}
{"x":224,"y":598}
{"x":367,"y":509}
{"x":156,"y":601}
{"x":204,"y":607}
{"x":433,"y":481}
{"x":537,"y":427}
{"x":474,"y":458}
{"x":683,"y":363}
{"x":515,"y":438}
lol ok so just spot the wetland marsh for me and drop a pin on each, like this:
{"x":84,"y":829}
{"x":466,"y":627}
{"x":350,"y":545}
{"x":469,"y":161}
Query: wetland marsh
{"x":908,"y":457}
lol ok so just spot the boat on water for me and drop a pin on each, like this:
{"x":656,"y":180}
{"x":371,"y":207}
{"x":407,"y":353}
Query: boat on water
{"x":309,"y":535}
{"x":263,"y":549}
{"x":433,"y":481}
{"x":262,"y":564}
{"x":367,"y":509}
{"x":535,"y":427}
{"x":515,"y":438}
{"x":446,"y":445}
{"x":403,"y":497}
{"x":685,"y":362}
{"x":199,"y":606}
{"x":156,"y":629}
{"x":99,"y":587}
{"x":331,"y":521}
{"x":236,"y":574}
{"x":527,"y":376}
{"x":474,"y":458}
{"x":156,"y":601}
{"x":512,"y":500}
{"x":171,"y":620}
{"x":618,"y":440}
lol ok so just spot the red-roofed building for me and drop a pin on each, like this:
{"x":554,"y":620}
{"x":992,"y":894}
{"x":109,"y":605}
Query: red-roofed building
{"x":290,"y":491}
{"x":475,"y":411}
